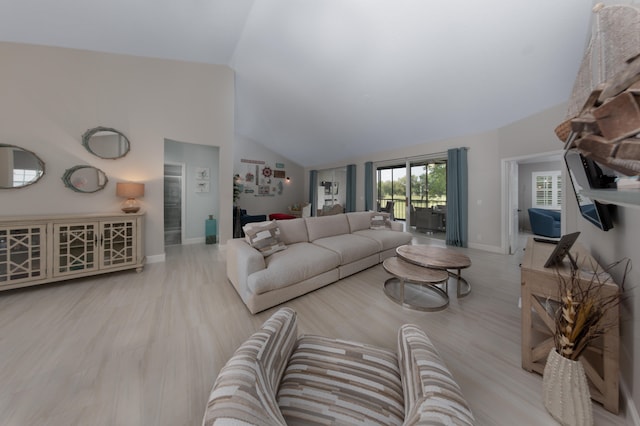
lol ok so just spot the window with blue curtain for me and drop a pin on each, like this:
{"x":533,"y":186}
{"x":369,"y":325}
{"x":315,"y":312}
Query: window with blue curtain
{"x":457,"y":197}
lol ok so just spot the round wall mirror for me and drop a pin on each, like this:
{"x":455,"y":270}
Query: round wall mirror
{"x":85,"y":179}
{"x":19,"y":167}
{"x":106,"y":142}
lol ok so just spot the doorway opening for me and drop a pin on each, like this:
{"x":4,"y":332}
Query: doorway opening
{"x":331,"y":193}
{"x":174,"y":178}
{"x":531,"y":181}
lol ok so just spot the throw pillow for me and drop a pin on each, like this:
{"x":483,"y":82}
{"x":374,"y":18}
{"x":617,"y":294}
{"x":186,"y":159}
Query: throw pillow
{"x":264,"y":237}
{"x":380,"y":221}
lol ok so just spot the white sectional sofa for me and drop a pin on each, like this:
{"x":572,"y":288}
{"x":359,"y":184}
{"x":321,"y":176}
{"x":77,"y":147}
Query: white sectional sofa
{"x":319,"y":251}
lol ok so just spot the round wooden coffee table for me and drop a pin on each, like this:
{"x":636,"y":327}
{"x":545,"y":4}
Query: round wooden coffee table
{"x":414,"y":286}
{"x":438,"y":258}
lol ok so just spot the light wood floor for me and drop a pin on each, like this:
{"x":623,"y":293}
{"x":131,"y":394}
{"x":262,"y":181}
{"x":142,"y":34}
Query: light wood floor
{"x":144,"y":349}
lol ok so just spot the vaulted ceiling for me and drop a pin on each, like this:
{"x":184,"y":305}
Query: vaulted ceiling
{"x":323,"y":80}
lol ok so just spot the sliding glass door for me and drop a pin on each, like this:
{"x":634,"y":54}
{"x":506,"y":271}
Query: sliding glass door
{"x":392,"y":190}
{"x":417,"y":190}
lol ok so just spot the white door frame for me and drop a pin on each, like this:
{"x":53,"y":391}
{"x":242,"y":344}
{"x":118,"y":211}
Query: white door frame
{"x":507,"y":195}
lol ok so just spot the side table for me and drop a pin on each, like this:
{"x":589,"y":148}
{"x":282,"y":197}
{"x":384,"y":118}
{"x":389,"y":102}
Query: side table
{"x":539,"y":287}
{"x":438,"y":258}
{"x":414,"y":286}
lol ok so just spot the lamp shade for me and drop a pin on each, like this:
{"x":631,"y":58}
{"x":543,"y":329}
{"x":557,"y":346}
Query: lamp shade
{"x":129,"y":189}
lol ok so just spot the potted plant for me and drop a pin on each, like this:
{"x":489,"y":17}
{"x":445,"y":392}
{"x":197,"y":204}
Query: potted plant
{"x":580,"y":318}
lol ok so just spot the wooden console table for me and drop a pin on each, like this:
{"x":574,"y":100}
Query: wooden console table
{"x":42,"y":249}
{"x":539,"y":291}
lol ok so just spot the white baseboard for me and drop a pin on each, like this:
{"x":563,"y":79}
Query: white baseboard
{"x":486,"y":247}
{"x":156,"y":258}
{"x":632,"y":417}
{"x":199,"y":240}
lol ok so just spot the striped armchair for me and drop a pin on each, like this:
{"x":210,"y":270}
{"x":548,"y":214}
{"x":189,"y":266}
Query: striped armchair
{"x":278,"y":378}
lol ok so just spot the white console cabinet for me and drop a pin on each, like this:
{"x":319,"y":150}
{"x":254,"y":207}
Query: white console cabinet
{"x":38,"y":250}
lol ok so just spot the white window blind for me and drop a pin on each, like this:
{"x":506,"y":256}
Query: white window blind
{"x":547,"y":190}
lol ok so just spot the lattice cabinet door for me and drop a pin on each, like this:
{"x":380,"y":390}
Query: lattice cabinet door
{"x":75,"y":248}
{"x":22,"y":253}
{"x":118,"y":242}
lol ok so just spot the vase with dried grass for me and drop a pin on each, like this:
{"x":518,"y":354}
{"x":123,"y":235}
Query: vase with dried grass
{"x":580,"y":319}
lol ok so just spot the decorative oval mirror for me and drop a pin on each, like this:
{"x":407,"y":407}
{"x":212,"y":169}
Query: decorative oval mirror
{"x":106,"y":142}
{"x":85,"y":179}
{"x":19,"y":167}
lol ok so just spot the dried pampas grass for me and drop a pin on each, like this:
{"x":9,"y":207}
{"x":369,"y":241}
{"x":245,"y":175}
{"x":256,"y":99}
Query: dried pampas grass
{"x":580,"y":316}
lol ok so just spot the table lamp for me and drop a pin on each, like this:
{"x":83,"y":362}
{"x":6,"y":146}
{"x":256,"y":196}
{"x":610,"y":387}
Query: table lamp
{"x":130,"y":191}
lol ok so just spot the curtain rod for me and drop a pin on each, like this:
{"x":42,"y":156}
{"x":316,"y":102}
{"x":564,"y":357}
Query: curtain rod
{"x":434,"y":156}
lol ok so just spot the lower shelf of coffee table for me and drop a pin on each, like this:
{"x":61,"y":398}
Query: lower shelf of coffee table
{"x":422,"y":297}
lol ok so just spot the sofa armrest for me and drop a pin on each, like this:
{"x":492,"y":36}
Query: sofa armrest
{"x":397,"y":226}
{"x":242,"y":261}
{"x":430,"y":392}
{"x":245,"y":390}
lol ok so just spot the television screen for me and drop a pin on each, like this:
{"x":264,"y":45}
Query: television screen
{"x":585,"y":173}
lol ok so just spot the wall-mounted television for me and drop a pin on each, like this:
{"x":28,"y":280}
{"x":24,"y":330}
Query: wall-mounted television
{"x":586,"y":173}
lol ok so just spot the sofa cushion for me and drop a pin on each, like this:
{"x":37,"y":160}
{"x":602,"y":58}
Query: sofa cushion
{"x":431,"y":395}
{"x":326,"y":226}
{"x":245,"y":390}
{"x":264,"y":237}
{"x":293,"y":231}
{"x":300,"y":262}
{"x":349,"y":247}
{"x":386,"y":238}
{"x":380,"y":221}
{"x":331,"y":381}
{"x":359,"y":220}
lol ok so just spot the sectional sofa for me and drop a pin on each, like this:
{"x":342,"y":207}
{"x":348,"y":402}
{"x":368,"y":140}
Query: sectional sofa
{"x":310,"y":253}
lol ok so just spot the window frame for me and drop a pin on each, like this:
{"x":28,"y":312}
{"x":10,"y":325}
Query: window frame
{"x":556,"y":189}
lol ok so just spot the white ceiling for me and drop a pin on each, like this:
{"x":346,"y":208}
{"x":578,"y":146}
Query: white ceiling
{"x":323,"y":80}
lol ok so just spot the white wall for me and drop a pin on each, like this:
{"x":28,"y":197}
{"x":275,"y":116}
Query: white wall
{"x":51,"y":96}
{"x":623,"y":241}
{"x":292,"y":192}
{"x":531,"y":135}
{"x":620,"y":242}
{"x":198,"y":205}
{"x":484,"y":181}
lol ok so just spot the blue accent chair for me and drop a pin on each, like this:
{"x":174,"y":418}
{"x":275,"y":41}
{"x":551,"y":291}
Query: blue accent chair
{"x":545,"y":222}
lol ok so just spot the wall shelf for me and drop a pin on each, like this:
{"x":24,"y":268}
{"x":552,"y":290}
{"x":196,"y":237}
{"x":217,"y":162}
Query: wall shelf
{"x":620,"y":197}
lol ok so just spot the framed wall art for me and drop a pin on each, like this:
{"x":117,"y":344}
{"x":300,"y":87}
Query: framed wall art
{"x":202,"y":173}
